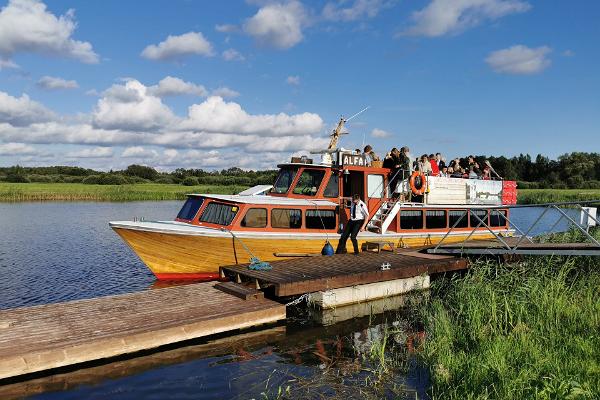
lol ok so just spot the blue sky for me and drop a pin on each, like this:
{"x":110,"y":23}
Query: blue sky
{"x":218,"y":84}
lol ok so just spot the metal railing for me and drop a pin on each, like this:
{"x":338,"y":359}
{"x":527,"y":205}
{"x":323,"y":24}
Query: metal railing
{"x":510,"y":247}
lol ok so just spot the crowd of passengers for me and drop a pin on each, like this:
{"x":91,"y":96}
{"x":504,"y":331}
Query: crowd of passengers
{"x":432,"y":165}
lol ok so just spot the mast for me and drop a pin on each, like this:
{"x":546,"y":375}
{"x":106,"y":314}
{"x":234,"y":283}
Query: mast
{"x":336,"y":134}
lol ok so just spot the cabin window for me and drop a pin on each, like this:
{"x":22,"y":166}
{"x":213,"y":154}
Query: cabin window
{"x":286,"y":218}
{"x":309,"y":182}
{"x":255,"y":218}
{"x":411,"y":219}
{"x":375,"y":186}
{"x":482,"y":214}
{"x":190,"y":208}
{"x":218,"y":213}
{"x":496,"y":219}
{"x":284,"y":180}
{"x":320,"y":219}
{"x":435,"y":219}
{"x":455,"y":215}
{"x":332,"y":189}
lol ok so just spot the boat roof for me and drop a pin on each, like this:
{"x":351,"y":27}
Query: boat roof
{"x":267,"y":200}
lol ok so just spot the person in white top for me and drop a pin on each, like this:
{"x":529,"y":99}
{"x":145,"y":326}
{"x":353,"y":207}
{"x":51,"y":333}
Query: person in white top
{"x":359,"y":215}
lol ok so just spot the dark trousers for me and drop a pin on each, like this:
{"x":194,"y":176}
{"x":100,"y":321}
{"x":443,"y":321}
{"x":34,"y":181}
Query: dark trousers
{"x":351,"y":229}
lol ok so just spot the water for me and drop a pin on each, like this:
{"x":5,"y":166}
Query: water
{"x":55,"y":252}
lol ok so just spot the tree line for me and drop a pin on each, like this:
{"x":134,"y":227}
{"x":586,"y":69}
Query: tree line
{"x":572,"y":170}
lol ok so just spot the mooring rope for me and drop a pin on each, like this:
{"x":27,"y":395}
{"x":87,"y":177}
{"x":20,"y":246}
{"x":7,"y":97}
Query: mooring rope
{"x":305,"y":296}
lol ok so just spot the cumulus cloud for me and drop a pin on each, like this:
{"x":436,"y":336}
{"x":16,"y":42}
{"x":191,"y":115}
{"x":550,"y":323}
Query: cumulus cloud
{"x":441,"y":17}
{"x":227,"y":28}
{"x":380,"y":133}
{"x":342,"y":11}
{"x":131,"y":107}
{"x":519,"y":60}
{"x":216,"y":115}
{"x":54,"y":83}
{"x":91,"y":152}
{"x":232,"y":55}
{"x":277,"y":25}
{"x":171,"y":86}
{"x":4,"y":64}
{"x":22,"y":111}
{"x":225,"y":92}
{"x":175,"y":47}
{"x":10,"y":149}
{"x":139,"y":152}
{"x":293,"y":80}
{"x":27,"y":26}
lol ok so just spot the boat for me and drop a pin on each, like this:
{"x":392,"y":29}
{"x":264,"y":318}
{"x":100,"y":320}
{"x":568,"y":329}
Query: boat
{"x":307,"y":206}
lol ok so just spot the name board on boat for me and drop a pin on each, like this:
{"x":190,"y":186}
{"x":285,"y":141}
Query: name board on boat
{"x":352,"y":160}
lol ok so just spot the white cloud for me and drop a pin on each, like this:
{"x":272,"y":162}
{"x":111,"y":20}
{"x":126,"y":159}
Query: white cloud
{"x":293,"y":80}
{"x":277,"y":25}
{"x":216,"y":115}
{"x":341,"y":11}
{"x":232,"y":55}
{"x":380,"y":133}
{"x":4,"y":64}
{"x":443,"y":17}
{"x":131,"y":107}
{"x":225,"y":92}
{"x":54,"y":83}
{"x":227,"y":28}
{"x":9,"y":149}
{"x":91,"y":152}
{"x":519,"y":60}
{"x":171,"y":86}
{"x":22,"y":111}
{"x":27,"y":26}
{"x":139,"y":152}
{"x":568,"y":53}
{"x":175,"y":47}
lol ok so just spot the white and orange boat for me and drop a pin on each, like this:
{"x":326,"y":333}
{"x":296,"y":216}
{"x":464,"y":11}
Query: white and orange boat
{"x":308,"y":205}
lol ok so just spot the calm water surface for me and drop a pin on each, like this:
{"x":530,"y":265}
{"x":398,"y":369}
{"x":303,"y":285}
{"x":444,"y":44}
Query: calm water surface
{"x":55,"y":252}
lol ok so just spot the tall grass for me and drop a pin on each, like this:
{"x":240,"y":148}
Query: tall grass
{"x":16,"y":192}
{"x":527,"y":330}
{"x":538,"y":196}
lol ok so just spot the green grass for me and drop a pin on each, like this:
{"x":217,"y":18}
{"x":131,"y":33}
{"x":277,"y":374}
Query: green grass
{"x":15,"y":192}
{"x":537,"y":196}
{"x":529,"y":330}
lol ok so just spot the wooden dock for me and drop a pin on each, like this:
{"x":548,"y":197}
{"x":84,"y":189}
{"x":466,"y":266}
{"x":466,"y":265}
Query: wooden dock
{"x":294,"y":277}
{"x":49,"y":336}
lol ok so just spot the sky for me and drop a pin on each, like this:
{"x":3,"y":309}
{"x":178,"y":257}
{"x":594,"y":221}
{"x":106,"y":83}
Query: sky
{"x":212,"y":85}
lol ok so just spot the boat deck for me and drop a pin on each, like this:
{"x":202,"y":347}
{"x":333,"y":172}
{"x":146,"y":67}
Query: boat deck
{"x":50,"y":336}
{"x":297,"y":276}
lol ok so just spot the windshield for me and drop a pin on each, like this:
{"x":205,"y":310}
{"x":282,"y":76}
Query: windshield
{"x":309,"y":182}
{"x":284,"y":180}
{"x":190,"y":208}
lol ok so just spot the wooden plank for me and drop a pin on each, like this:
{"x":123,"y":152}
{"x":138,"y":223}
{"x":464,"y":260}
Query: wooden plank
{"x":240,"y":291}
{"x":49,"y":336}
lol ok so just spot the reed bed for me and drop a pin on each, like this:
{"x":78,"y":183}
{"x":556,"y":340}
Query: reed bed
{"x":529,"y":330}
{"x":18,"y":192}
{"x":538,"y":196}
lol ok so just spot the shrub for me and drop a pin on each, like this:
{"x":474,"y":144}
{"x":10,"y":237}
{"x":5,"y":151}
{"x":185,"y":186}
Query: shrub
{"x":141,"y":171}
{"x":165,"y":180}
{"x":190,"y":181}
{"x":17,"y":178}
{"x":113,"y":179}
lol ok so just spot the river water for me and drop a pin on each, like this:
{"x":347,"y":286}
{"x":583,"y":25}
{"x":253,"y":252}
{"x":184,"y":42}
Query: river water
{"x":56,"y":252}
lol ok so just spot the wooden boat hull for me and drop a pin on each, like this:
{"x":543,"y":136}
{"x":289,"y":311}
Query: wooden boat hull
{"x":178,"y":256}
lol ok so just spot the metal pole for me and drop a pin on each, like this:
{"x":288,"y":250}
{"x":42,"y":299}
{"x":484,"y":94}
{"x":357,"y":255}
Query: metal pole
{"x":448,"y":233}
{"x":492,"y":232}
{"x":578,"y":227}
{"x":531,"y":227}
{"x":515,"y":226}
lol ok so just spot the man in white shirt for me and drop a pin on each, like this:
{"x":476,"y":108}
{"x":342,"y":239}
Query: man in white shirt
{"x":359,"y":216}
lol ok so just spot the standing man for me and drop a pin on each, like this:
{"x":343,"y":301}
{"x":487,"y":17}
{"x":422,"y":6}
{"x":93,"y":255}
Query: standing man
{"x":359,"y":215}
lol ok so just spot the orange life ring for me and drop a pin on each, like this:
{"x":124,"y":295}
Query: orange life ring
{"x":418,"y":183}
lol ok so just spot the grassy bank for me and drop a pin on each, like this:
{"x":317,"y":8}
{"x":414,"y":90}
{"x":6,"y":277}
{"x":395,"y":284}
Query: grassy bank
{"x":527,"y":330}
{"x":537,"y":196}
{"x":14,"y":192}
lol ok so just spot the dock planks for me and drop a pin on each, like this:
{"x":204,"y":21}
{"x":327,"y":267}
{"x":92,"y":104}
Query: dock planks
{"x":312,"y":274}
{"x":49,"y":336}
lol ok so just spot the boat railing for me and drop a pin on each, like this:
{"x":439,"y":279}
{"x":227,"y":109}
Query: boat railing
{"x":588,"y":218}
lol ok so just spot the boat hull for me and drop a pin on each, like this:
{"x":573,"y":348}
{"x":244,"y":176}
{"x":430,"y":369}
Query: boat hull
{"x":173,"y":256}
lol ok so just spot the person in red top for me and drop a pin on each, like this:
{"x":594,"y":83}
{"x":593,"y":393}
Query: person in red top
{"x":435,"y":171}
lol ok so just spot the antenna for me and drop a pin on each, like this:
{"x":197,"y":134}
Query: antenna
{"x":358,"y":113}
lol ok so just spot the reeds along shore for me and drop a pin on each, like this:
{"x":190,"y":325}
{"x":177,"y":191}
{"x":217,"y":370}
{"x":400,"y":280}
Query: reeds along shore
{"x":16,"y":192}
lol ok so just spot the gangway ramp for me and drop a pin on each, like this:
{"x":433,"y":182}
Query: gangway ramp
{"x":492,"y":247}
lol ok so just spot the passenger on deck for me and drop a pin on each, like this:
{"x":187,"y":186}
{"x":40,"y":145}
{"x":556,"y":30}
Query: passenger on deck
{"x":444,"y":172}
{"x":357,"y":151}
{"x":393,"y":163}
{"x":472,"y":174}
{"x":406,"y":162}
{"x":424,"y":165}
{"x":370,"y":155}
{"x":435,"y":171}
{"x":359,"y":215}
{"x":440,"y":162}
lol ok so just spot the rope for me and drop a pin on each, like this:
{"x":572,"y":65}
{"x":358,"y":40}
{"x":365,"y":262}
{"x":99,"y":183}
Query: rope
{"x":305,"y":296}
{"x":255,"y":263}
